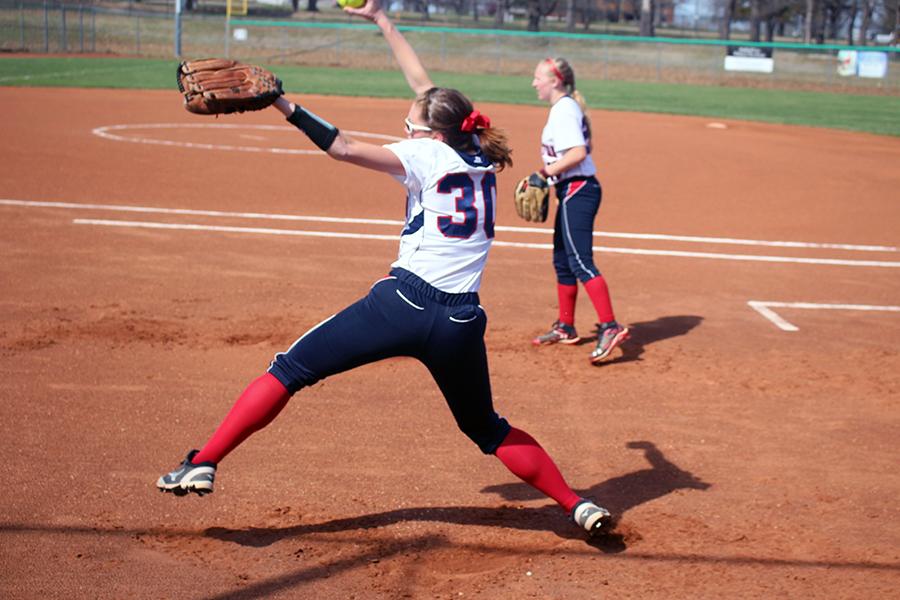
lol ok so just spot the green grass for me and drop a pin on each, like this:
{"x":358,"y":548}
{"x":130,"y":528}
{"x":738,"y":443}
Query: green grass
{"x":873,"y":114}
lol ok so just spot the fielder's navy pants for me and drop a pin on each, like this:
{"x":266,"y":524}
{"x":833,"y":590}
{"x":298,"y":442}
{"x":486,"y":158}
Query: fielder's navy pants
{"x":573,"y":230}
{"x":405,"y":316}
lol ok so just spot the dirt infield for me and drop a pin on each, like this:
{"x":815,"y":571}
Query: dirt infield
{"x":745,"y":459}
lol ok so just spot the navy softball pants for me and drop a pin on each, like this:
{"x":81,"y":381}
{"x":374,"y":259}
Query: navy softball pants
{"x":403,"y":315}
{"x":573,"y":230}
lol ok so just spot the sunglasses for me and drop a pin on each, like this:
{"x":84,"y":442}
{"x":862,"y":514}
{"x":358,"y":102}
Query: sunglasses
{"x":411,"y":127}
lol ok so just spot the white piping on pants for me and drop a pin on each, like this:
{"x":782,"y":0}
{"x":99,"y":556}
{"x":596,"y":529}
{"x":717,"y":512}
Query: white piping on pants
{"x":408,"y":301}
{"x":569,"y":234}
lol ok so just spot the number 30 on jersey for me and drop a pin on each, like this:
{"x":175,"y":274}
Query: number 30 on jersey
{"x":469,"y":197}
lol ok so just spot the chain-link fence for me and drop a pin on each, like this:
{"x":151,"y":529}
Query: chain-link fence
{"x":149,"y":30}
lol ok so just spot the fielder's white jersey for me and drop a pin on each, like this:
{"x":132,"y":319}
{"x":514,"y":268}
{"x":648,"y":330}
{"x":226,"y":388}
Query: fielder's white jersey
{"x":566,"y":128}
{"x":450,"y":212}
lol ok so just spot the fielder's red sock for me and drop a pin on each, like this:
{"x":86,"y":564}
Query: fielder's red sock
{"x":529,"y":462}
{"x":255,"y":408}
{"x":567,"y":295}
{"x":598,"y":292}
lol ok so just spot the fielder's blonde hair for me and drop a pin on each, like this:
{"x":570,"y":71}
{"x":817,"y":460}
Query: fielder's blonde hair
{"x":568,"y":82}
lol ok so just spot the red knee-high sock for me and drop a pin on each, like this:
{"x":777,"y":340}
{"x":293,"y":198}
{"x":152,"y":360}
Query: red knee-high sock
{"x":260,"y":402}
{"x":598,"y":292}
{"x":567,"y":295}
{"x":529,"y":462}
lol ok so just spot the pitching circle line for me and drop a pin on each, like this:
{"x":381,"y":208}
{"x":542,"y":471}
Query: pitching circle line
{"x":107,"y":132}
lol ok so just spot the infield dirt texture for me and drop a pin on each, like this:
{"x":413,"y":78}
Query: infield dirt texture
{"x":745,"y":460}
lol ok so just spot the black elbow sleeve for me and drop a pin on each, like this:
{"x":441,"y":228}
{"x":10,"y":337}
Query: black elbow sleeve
{"x":321,"y":132}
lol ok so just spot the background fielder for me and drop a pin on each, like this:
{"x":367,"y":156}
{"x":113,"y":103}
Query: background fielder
{"x":566,"y":153}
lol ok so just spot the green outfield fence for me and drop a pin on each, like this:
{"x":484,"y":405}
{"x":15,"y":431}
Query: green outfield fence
{"x":149,"y":30}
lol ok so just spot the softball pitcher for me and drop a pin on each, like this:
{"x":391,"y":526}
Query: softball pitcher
{"x":428,"y":306}
{"x":566,"y":153}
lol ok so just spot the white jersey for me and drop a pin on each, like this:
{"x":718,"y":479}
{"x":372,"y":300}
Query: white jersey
{"x":450,"y":212}
{"x":567,"y":128}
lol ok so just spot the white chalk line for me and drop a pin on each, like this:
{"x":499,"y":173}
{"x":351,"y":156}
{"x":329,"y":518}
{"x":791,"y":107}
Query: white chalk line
{"x":640,"y":251}
{"x":227,"y":229}
{"x":106,"y":132}
{"x":722,"y":256}
{"x":765,"y":309}
{"x":194,"y":212}
{"x":398,"y":223}
{"x":772,"y":316}
{"x":721,"y":240}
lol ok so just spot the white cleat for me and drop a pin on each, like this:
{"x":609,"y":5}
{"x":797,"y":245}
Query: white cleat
{"x":189,"y":477}
{"x":592,"y":518}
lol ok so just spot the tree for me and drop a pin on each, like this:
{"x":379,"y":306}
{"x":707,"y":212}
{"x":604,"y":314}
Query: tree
{"x":886,"y":18}
{"x":896,"y":20}
{"x":865,"y":22}
{"x":536,"y":10}
{"x":776,"y":13}
{"x":311,"y":5}
{"x":587,"y":14}
{"x":570,"y":15}
{"x":500,"y":13}
{"x":458,"y":6}
{"x":834,"y":18}
{"x":808,"y":21}
{"x":728,"y":7}
{"x":854,"y":10}
{"x":755,"y":19}
{"x":422,"y":7}
{"x":818,"y":28}
{"x":647,"y":9}
{"x":588,"y":11}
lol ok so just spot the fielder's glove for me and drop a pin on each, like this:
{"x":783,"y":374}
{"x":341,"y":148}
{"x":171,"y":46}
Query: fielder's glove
{"x":213,"y":86}
{"x":532,"y":195}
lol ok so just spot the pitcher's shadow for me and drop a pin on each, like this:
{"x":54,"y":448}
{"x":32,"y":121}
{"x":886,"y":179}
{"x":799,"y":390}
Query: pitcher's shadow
{"x":618,"y":494}
{"x":621,"y":494}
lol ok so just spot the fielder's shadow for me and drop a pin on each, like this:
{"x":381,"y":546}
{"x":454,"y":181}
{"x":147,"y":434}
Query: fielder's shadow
{"x":618,"y":495}
{"x":649,"y":332}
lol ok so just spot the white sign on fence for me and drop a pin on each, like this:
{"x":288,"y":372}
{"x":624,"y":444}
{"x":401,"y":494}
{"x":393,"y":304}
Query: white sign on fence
{"x":872,"y":64}
{"x":749,"y":58}
{"x":846,"y":63}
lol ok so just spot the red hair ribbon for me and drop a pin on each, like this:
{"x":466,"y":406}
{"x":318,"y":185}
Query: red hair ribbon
{"x":474,"y":121}
{"x":556,"y":72}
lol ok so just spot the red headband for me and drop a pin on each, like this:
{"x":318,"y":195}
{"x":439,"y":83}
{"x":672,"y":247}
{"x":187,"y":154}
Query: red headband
{"x":474,"y":121}
{"x":556,"y":72}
